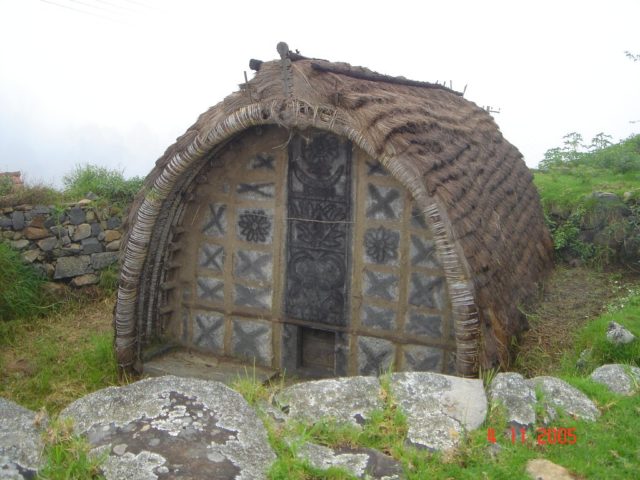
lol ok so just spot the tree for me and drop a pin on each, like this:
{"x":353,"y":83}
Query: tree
{"x":633,"y":56}
{"x":600,"y":141}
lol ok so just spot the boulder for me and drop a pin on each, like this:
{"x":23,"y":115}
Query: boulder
{"x":519,"y":399}
{"x":618,"y":335}
{"x":622,"y":379}
{"x":111,"y":235}
{"x":91,"y":245}
{"x":359,"y":462}
{"x":104,"y":259}
{"x":41,"y":210}
{"x":541,"y":469}
{"x":76,"y":215}
{"x":67,"y":267}
{"x":113,"y":223}
{"x":19,"y":244}
{"x":96,"y":230}
{"x":84,"y":280}
{"x":35,"y":233}
{"x":559,"y":394}
{"x":6,"y":222}
{"x":17,"y":219}
{"x":172,"y":427}
{"x":31,"y":256}
{"x":20,"y":441}
{"x":439,"y":408}
{"x":48,"y":244}
{"x":113,"y":246}
{"x":81,"y":232}
{"x":348,"y":399}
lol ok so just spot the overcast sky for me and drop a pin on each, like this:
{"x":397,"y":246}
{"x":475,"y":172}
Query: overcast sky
{"x":114,"y":82}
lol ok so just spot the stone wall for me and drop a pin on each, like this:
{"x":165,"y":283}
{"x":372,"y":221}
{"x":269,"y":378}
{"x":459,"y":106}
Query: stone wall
{"x":72,"y":243}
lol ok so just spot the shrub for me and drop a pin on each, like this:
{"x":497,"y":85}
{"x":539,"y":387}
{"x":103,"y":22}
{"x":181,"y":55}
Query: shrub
{"x":104,"y":182}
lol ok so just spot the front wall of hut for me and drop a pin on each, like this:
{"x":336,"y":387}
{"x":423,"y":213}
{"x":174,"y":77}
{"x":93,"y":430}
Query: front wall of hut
{"x":303,"y":253}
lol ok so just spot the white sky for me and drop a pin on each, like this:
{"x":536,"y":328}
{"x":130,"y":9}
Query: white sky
{"x":117,"y":84}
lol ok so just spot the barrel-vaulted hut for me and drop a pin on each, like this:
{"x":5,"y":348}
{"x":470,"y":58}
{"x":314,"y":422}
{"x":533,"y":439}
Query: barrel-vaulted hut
{"x":328,"y":219}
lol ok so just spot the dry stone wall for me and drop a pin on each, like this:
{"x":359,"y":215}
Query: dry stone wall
{"x":70,"y":244}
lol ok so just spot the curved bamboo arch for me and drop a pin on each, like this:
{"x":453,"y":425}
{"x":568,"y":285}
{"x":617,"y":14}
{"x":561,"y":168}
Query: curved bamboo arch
{"x":290,"y":113}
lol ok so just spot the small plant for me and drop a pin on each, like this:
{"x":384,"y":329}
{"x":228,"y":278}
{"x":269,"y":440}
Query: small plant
{"x":250,"y":387}
{"x":6,"y":185}
{"x":67,"y":455}
{"x":104,"y":182}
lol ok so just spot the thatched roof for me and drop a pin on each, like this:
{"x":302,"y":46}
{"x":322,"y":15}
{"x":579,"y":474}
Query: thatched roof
{"x":471,"y":184}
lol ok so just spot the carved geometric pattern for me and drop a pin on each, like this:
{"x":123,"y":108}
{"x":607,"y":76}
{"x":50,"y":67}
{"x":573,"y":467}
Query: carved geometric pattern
{"x":381,"y":245}
{"x":211,"y":289}
{"x":319,"y":208}
{"x":420,"y":358}
{"x":423,"y":253}
{"x":426,"y":291}
{"x":377,"y":317}
{"x":381,"y":285}
{"x":252,"y":340}
{"x":208,"y":330}
{"x":256,"y":191}
{"x":216,"y":222}
{"x":423,"y":324}
{"x":254,"y":297}
{"x":262,"y":161}
{"x":374,"y":355}
{"x":211,"y":257}
{"x":254,"y":225}
{"x":383,"y":202}
{"x":253,"y":265}
{"x":374,"y":167}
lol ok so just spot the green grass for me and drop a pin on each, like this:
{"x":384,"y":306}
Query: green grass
{"x":21,"y":293}
{"x":109,"y":184}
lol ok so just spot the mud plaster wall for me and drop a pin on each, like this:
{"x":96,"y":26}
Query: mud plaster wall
{"x":252,"y":275}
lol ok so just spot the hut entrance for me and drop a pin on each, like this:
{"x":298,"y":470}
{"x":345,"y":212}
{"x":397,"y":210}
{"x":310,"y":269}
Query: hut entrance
{"x":301,"y":252}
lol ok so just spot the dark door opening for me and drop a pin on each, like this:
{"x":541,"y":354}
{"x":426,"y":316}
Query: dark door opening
{"x":317,"y":352}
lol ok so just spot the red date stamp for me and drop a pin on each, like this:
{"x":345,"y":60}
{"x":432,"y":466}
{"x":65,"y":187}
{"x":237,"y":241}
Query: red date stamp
{"x":544,"y":435}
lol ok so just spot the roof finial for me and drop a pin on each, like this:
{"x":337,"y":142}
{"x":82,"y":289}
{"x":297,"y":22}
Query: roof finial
{"x":283,"y":49}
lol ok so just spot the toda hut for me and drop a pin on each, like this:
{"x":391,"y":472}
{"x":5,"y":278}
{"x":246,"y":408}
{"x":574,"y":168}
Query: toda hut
{"x":326,"y":219}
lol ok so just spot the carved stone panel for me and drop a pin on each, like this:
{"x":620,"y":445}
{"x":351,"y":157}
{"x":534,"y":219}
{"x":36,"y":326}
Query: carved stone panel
{"x":318,"y":237}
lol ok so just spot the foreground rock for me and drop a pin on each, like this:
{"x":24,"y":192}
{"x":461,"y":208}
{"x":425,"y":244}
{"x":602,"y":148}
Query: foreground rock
{"x":20,"y":441}
{"x":439,"y":408}
{"x":518,"y":397}
{"x":171,"y":427}
{"x":349,"y":399}
{"x":618,"y":335}
{"x":359,"y":462}
{"x":541,"y":469}
{"x":559,"y":394}
{"x":622,"y":379}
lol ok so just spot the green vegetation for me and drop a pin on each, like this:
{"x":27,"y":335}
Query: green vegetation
{"x":108,"y":184}
{"x":66,"y":455}
{"x":21,"y":293}
{"x":569,"y":181}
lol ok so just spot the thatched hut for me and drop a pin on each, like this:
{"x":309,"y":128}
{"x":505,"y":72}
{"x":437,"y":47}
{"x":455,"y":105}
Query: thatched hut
{"x":326,"y":218}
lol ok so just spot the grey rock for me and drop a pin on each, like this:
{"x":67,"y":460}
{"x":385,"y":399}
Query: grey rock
{"x":349,"y":399}
{"x":65,"y":240}
{"x":19,"y":244}
{"x":623,"y":379}
{"x":439,"y":408}
{"x":96,"y":230}
{"x":41,"y":210}
{"x":91,"y":196}
{"x":91,"y":245}
{"x":56,"y":219}
{"x":542,"y":469}
{"x":559,"y":394}
{"x":113,"y":246}
{"x":76,"y":215}
{"x":48,"y":244}
{"x":517,"y":396}
{"x":69,"y":249}
{"x":104,"y":259}
{"x":17,"y":219}
{"x":5,"y":222}
{"x":359,"y":462}
{"x":81,"y":232}
{"x":31,"y":256}
{"x":113,"y":223}
{"x":20,"y":441}
{"x":173,"y":427}
{"x":59,"y":230}
{"x":618,"y":335}
{"x":100,"y":236}
{"x":67,"y":267}
{"x":84,"y":280}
